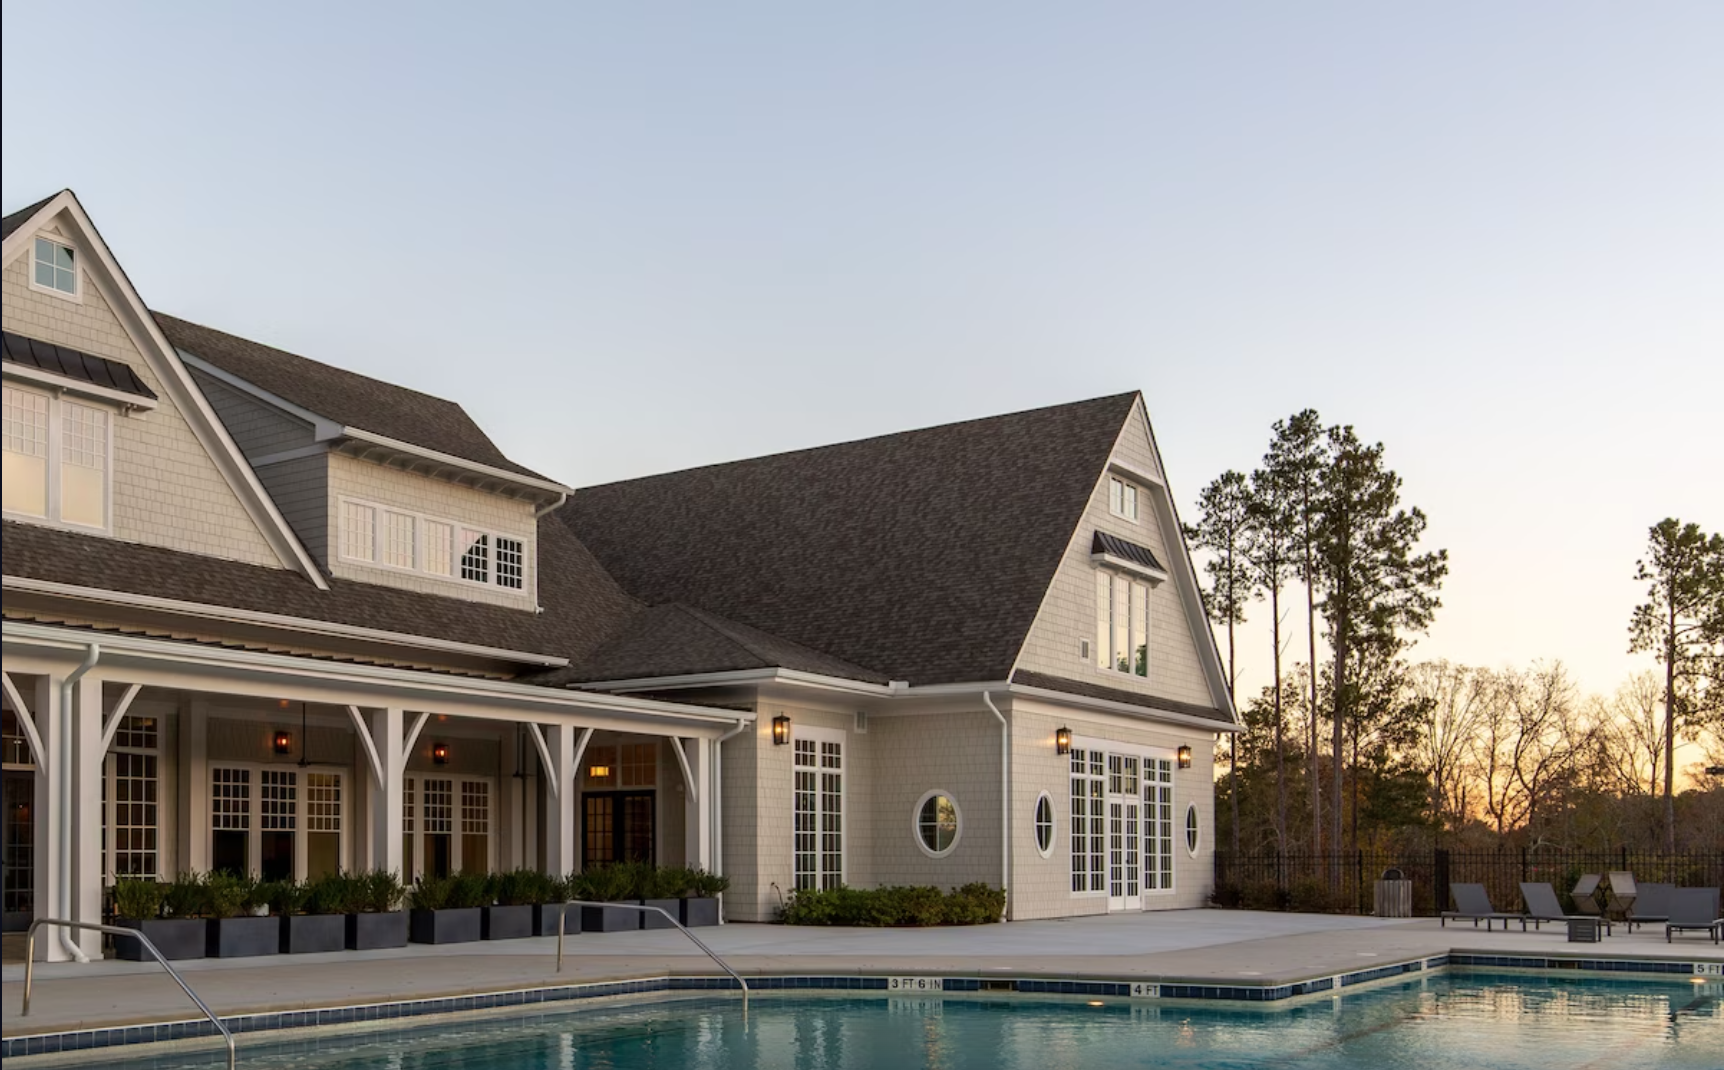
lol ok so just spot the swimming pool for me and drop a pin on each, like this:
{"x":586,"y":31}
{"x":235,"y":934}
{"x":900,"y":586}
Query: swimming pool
{"x":1438,"y":1022}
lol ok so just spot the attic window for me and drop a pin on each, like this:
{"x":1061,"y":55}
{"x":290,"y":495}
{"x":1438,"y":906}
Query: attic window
{"x":1121,"y":498}
{"x":56,"y":268}
{"x":476,"y":558}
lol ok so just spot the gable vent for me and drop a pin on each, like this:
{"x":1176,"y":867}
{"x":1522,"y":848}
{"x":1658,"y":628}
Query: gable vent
{"x":861,"y":722}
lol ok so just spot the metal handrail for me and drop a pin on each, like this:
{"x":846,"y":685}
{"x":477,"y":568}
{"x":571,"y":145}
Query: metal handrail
{"x":117,"y":930}
{"x":562,"y":925}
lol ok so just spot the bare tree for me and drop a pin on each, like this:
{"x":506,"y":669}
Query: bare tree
{"x":1529,"y":747}
{"x":1455,"y":698}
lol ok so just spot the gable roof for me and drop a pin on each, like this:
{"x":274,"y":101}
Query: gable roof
{"x":344,"y":397}
{"x":924,"y":555}
{"x":58,"y":360}
{"x":582,"y":605}
{"x":21,"y":216}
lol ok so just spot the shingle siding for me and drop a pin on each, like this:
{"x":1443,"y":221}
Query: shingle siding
{"x":166,"y":490}
{"x":257,"y":428}
{"x":300,"y":488}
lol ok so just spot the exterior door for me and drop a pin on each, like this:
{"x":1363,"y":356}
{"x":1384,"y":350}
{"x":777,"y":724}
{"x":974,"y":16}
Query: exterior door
{"x":818,"y":808}
{"x":617,"y":826}
{"x":17,"y":847}
{"x":1124,"y":834}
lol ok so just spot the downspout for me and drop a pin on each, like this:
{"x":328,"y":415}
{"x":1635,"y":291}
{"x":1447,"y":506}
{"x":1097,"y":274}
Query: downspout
{"x":1005,"y":800}
{"x":718,"y":805}
{"x":66,"y":762}
{"x":541,"y":513}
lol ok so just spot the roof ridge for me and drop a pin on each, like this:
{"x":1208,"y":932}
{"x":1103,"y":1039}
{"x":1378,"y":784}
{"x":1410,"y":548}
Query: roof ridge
{"x":906,"y":433}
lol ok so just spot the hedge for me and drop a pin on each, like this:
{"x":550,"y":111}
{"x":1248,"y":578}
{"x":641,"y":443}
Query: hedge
{"x":973,"y":904}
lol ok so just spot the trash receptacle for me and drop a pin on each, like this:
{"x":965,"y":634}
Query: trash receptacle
{"x":1394,"y":895}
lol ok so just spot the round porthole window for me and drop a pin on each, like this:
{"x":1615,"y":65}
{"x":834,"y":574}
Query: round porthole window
{"x":938,"y":824}
{"x":1044,"y":824}
{"x":1191,"y":829}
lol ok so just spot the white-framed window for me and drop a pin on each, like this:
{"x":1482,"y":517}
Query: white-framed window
{"x":54,"y":268}
{"x":1158,"y":824}
{"x":58,"y":457}
{"x":817,"y":760}
{"x":1043,"y":823}
{"x":937,"y":823}
{"x":1192,"y":829}
{"x":277,"y":822}
{"x":131,"y":796}
{"x":1121,"y":623}
{"x":446,"y":825}
{"x":1089,"y":821}
{"x":1121,"y":498}
{"x":374,"y":534}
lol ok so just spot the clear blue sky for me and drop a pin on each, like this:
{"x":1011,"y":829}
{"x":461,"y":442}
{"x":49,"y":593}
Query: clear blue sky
{"x":636,"y":237}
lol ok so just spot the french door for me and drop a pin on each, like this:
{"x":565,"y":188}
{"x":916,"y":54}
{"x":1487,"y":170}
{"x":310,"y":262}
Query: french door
{"x":817,"y":765}
{"x":277,"y":823}
{"x":446,"y":825}
{"x":1124,"y":832}
{"x":617,"y":826}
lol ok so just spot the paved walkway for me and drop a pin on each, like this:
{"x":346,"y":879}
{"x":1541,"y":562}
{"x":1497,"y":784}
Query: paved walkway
{"x":1199,"y":946}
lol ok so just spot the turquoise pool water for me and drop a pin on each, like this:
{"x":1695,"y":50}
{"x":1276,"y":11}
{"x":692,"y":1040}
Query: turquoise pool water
{"x":1458,"y":1021}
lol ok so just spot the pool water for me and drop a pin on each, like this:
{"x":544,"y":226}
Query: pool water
{"x":1460,"y":1021}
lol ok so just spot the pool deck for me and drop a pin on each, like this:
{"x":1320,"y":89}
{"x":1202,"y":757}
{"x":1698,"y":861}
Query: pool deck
{"x":1197,"y":947}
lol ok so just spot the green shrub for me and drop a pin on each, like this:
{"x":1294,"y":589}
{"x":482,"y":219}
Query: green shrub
{"x":1264,"y":895}
{"x":333,"y":893}
{"x":139,"y":900}
{"x":432,"y":893}
{"x":522,"y":887}
{"x":184,"y":898}
{"x":973,"y":904}
{"x":608,"y":884}
{"x":1227,"y":895}
{"x":704,"y":885}
{"x":671,"y":882}
{"x":378,"y":891}
{"x":285,"y":897}
{"x":225,"y":895}
{"x":468,"y":890}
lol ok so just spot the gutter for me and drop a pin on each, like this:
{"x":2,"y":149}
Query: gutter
{"x":1005,"y":802}
{"x":64,"y":763}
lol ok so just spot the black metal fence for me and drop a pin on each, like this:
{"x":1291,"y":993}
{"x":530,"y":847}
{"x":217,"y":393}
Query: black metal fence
{"x":1344,"y":880}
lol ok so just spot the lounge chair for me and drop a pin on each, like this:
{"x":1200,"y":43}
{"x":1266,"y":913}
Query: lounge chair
{"x":1542,"y":905}
{"x":1472,"y":901}
{"x":1585,"y":895}
{"x":1694,"y":908}
{"x":1619,"y":898}
{"x":1652,"y":905}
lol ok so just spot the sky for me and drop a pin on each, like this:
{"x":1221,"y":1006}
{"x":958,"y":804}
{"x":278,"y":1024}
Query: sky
{"x":636,"y":238}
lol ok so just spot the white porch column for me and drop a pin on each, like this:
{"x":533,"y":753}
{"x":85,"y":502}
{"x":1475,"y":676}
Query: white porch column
{"x":698,"y":815}
{"x":194,"y":787}
{"x":50,"y":823}
{"x":388,"y":736}
{"x":84,"y":831}
{"x":560,"y":799}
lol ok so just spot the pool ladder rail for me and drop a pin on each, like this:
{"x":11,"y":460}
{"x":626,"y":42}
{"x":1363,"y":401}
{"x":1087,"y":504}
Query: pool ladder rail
{"x":144,"y":942}
{"x":562,"y":926}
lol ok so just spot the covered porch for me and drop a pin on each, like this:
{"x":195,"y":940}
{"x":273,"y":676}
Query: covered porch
{"x":135,"y":756}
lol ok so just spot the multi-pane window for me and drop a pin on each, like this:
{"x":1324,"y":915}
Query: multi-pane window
{"x":438,"y":553}
{"x":288,"y":828}
{"x":475,"y":826}
{"x":1122,"y":623}
{"x":278,"y":804}
{"x":1044,"y":825}
{"x":446,"y":826}
{"x":1089,"y":820}
{"x":230,"y":820}
{"x":358,"y":531}
{"x":1158,"y":824}
{"x":639,"y":765}
{"x":511,"y":563}
{"x":1121,"y":498}
{"x":56,"y":267}
{"x":475,"y":556}
{"x":398,"y":541}
{"x":134,"y":815}
{"x":322,"y":824}
{"x":56,"y":458}
{"x":818,"y":803}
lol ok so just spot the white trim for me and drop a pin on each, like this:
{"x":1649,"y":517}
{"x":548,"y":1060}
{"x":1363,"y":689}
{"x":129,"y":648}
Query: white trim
{"x":1127,"y":709}
{"x":363,"y":731}
{"x":140,"y":325}
{"x":1193,"y":821}
{"x":510,"y":701}
{"x":67,"y":384}
{"x":1053,"y":824}
{"x":916,"y":823}
{"x":1119,"y":564}
{"x":112,"y":727}
{"x":1133,"y":472}
{"x":552,"y":782}
{"x":1135,"y":514}
{"x":452,"y":461}
{"x":246,"y":616}
{"x":412,"y":736}
{"x":55,"y":465}
{"x":26,"y":719}
{"x":350,"y":813}
{"x":751,"y":677}
{"x":682,"y":760}
{"x":528,"y":590}
{"x":77,"y":294}
{"x":817,"y":736}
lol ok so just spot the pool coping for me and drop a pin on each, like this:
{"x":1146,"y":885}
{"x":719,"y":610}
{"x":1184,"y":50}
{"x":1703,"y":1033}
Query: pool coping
{"x":42,"y":1048}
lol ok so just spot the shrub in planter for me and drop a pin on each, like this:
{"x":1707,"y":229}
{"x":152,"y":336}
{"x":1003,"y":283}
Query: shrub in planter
{"x":700,"y":901}
{"x":447,"y":910}
{"x":308,"y":923}
{"x":654,"y":887}
{"x":232,"y":931}
{"x":138,"y":905}
{"x":371,"y":903}
{"x":549,"y":911}
{"x":516,"y":893}
{"x":607,"y":884}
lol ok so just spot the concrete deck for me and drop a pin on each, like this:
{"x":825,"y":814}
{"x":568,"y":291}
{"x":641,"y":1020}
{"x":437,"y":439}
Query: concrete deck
{"x":1198,"y":946}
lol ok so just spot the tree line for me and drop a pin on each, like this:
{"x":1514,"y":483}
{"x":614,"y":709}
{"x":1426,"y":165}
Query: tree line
{"x":1368,"y":748}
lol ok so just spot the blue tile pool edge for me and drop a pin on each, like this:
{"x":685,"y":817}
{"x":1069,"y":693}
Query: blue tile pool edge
{"x":926,"y":985}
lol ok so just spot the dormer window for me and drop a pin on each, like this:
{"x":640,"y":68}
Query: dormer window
{"x":56,"y":268}
{"x":395,"y":539}
{"x":57,"y":459}
{"x":1121,"y":498}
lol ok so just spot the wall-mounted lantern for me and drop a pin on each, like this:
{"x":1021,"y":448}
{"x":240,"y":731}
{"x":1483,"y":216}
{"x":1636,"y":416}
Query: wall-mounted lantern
{"x":780,"y":730}
{"x":1062,"y":740}
{"x":283,"y":742}
{"x":440,"y":753}
{"x":1185,"y":756}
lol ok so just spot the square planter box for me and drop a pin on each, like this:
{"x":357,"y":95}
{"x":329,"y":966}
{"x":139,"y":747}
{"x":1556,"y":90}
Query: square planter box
{"x":545,"y":916}
{"x":175,"y":938}
{"x":460,"y":926}
{"x":698,"y":911}
{"x":233,"y":938}
{"x":368,"y":932}
{"x":303,"y":934}
{"x":506,"y":923}
{"x":651,"y":920}
{"x":609,"y":920}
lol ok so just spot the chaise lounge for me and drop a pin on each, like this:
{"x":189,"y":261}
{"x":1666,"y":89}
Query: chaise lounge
{"x":1472,"y":901}
{"x":1652,"y":906}
{"x":1542,"y":905}
{"x":1694,"y":909}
